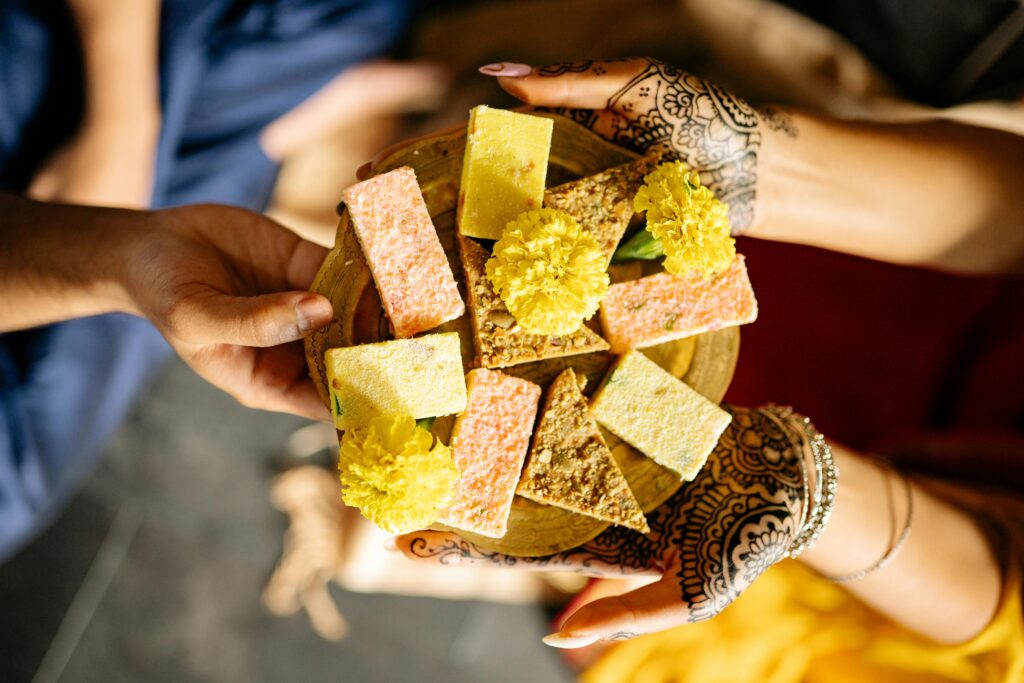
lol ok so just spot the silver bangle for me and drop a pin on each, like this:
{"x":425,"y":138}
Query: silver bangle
{"x":897,"y":544}
{"x":817,"y":507}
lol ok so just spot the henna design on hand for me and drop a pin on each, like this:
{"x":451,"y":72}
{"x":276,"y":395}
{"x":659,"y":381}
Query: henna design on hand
{"x":779,"y":120}
{"x":682,"y":116}
{"x":611,"y":553}
{"x":739,"y":516}
{"x":622,"y":635}
{"x":717,"y":534}
{"x":595,"y":66}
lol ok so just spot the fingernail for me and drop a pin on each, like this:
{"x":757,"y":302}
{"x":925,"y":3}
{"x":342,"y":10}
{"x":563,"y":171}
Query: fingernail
{"x":564,"y":642}
{"x":390,"y":544}
{"x":313,"y":312}
{"x":363,"y":172}
{"x":509,"y":69}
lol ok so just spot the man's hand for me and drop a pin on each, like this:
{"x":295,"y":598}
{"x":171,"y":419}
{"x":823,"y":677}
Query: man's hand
{"x":649,"y":105}
{"x":226,"y":287}
{"x":707,"y":543}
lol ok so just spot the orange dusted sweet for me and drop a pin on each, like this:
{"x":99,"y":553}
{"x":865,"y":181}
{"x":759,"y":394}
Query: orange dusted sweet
{"x":416,"y":284}
{"x":489,"y":443}
{"x":662,"y":307}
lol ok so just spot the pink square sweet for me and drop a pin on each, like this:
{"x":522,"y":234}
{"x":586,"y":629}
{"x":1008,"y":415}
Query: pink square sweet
{"x":489,"y":443}
{"x":662,"y":307}
{"x":401,"y":247}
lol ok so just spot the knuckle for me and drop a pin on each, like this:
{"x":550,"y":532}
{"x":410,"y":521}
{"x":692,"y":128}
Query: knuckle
{"x":177,"y":320}
{"x":260,"y":330}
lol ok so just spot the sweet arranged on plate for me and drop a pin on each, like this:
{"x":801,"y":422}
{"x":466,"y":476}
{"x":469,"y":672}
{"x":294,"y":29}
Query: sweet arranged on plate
{"x":535,"y":267}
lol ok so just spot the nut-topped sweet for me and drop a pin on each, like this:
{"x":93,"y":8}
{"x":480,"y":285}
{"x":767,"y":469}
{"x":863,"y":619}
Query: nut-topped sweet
{"x":532,"y":280}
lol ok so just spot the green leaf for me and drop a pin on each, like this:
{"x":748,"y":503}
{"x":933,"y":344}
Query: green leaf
{"x":426,"y":422}
{"x":642,"y":246}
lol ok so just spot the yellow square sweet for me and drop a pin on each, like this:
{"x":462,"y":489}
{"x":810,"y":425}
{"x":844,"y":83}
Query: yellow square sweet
{"x":420,"y":377}
{"x":504,"y":169}
{"x":659,"y":415}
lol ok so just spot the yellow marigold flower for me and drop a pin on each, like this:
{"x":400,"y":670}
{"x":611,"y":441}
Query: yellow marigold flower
{"x":692,"y":224}
{"x":394,"y":472}
{"x":549,"y":271}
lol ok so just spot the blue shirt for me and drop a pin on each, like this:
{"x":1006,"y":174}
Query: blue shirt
{"x":227,"y":69}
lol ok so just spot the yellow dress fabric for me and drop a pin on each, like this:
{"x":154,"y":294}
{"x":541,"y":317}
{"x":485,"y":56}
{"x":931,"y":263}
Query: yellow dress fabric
{"x":791,"y":626}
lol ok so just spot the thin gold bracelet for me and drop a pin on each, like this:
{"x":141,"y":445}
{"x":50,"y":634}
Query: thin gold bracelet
{"x":896,"y":545}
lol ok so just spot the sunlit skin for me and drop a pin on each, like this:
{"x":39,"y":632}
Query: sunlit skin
{"x":814,"y":179}
{"x":797,"y":177}
{"x":109,"y":161}
{"x":226,"y":287}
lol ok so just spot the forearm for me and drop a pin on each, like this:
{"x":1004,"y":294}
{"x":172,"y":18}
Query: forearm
{"x":60,"y":261}
{"x":945,"y":582}
{"x":120,"y":41}
{"x":935,"y":193}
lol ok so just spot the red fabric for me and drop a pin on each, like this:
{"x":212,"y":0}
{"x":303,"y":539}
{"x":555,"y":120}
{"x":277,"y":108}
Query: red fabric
{"x":879,"y":355}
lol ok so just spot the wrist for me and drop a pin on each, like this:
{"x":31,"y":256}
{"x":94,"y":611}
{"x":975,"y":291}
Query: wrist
{"x":64,"y":262}
{"x":110,"y":240}
{"x":860,"y":530}
{"x":782,"y":173}
{"x":136,"y":124}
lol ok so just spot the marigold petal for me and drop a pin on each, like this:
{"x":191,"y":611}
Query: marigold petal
{"x":396,"y":474}
{"x":691,"y":223}
{"x":549,"y":272}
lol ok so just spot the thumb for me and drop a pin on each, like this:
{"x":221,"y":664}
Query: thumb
{"x":266,"y":320}
{"x":654,"y":607}
{"x":580,"y":85}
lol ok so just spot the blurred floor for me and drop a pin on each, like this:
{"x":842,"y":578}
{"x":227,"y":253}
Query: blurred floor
{"x":154,"y":573}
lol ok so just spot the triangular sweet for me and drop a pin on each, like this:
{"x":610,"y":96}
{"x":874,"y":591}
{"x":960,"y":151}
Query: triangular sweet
{"x":603,"y":203}
{"x":569,"y":464}
{"x":500,"y":341}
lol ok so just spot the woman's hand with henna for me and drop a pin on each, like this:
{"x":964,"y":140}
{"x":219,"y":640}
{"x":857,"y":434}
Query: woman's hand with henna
{"x":646,"y":104}
{"x":707,"y":543}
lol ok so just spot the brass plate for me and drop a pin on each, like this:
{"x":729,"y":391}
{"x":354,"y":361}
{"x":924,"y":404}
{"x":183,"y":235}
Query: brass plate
{"x":344,"y":278}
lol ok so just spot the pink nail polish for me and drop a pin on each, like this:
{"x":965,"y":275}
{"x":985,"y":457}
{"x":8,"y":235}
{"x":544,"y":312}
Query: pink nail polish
{"x":507,"y":69}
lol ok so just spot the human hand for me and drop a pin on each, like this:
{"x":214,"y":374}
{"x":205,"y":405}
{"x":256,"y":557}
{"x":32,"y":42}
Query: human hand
{"x":645,"y":104}
{"x":227,"y":289}
{"x":707,"y":543}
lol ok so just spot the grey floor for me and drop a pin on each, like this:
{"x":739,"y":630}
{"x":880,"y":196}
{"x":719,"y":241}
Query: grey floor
{"x":155,"y":570}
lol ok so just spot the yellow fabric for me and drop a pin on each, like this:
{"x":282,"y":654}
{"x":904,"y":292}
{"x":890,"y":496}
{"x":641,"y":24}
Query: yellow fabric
{"x":793,"y":627}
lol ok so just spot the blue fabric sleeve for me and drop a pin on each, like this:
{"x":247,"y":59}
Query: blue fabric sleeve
{"x":64,"y":389}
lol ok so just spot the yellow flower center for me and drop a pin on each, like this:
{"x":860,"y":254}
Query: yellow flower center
{"x":549,"y":272}
{"x":396,"y":474}
{"x":691,"y":223}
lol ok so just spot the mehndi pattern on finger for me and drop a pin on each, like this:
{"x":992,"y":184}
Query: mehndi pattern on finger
{"x":666,"y":110}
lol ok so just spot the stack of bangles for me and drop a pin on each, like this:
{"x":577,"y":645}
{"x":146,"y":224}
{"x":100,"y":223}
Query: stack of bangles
{"x":818,"y":505}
